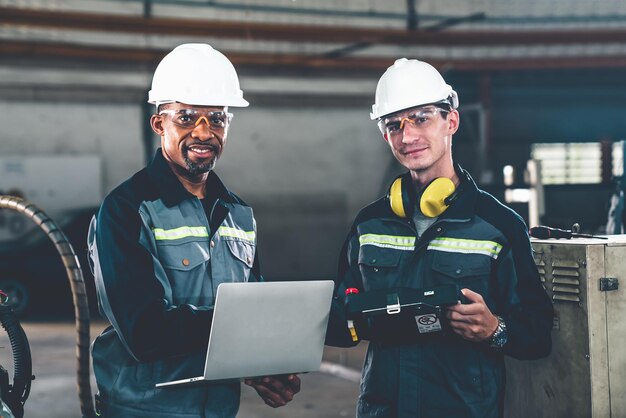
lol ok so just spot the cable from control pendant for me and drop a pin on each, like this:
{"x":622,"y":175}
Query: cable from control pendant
{"x":79,"y":293}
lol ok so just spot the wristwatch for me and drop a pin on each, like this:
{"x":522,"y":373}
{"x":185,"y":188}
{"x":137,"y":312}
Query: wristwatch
{"x":499,"y":337}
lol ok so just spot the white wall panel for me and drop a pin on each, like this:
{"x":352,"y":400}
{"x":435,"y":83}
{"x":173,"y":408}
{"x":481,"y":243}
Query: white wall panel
{"x":111,"y":131}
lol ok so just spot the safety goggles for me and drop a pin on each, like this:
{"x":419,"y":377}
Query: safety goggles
{"x":422,"y":118}
{"x":190,"y":118}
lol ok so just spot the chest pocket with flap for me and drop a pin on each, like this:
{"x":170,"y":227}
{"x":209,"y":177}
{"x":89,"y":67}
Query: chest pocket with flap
{"x":241,"y":248}
{"x":467,"y":263}
{"x":380,"y":258}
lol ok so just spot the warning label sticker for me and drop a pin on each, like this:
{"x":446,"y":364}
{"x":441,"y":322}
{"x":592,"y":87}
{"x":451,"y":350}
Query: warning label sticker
{"x":428,"y":323}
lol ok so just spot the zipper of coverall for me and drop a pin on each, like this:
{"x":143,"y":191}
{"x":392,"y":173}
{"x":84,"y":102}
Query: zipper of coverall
{"x":197,"y":203}
{"x":211,"y":235}
{"x":421,"y":242}
{"x":402,"y":353}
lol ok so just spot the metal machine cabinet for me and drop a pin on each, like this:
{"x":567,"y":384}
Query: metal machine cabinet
{"x":585,"y":376}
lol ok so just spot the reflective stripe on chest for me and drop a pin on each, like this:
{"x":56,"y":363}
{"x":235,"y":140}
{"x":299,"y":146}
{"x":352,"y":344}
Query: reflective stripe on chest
{"x":161,"y":234}
{"x":226,"y":231}
{"x":397,"y":242}
{"x":465,"y":246}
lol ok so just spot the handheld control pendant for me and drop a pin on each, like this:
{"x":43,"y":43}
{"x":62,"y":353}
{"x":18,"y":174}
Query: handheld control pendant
{"x":399,"y":315}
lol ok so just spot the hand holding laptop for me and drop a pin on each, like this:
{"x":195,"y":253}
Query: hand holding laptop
{"x":276,"y":390}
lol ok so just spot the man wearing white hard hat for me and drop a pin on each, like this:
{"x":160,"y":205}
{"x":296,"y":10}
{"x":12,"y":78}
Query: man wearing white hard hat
{"x":474,"y":294}
{"x":163,"y":241}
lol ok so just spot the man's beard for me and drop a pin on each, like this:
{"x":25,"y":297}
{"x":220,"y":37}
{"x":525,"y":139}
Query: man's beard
{"x":199,"y":168}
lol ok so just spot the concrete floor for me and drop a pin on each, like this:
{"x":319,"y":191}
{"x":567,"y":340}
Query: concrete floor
{"x":53,"y":394}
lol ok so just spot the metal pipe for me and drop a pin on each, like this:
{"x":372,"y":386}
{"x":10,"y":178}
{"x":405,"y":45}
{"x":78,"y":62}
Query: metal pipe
{"x":412,"y":19}
{"x":247,"y":30}
{"x":79,"y":293}
{"x":264,"y":8}
{"x":111,"y":55}
{"x":400,"y":15}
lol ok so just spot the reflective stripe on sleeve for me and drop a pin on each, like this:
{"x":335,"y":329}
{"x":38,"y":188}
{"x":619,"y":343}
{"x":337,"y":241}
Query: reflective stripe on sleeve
{"x":161,"y":234}
{"x":465,"y":246}
{"x":396,"y":242}
{"x":225,"y":231}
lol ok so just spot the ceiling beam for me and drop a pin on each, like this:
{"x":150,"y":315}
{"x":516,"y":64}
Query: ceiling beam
{"x":65,"y":20}
{"x":94,"y":54}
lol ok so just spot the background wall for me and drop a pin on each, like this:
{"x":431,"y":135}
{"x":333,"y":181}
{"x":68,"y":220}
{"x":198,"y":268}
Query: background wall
{"x":305,"y":153}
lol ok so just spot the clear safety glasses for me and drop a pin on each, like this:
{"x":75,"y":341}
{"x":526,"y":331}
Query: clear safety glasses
{"x":422,"y":118}
{"x":190,"y":118}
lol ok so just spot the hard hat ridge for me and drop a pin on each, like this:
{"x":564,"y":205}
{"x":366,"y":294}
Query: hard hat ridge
{"x":409,"y":83}
{"x":196,"y":74}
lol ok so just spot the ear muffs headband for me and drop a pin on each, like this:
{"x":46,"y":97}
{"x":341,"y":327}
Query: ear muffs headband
{"x":435,"y":199}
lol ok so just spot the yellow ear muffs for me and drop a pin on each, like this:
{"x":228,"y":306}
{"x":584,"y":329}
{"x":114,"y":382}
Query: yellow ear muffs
{"x":437,"y":196}
{"x":435,"y":199}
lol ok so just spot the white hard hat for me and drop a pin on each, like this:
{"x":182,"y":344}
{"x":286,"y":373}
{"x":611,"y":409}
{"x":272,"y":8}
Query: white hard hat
{"x":196,"y":74}
{"x":409,"y":83}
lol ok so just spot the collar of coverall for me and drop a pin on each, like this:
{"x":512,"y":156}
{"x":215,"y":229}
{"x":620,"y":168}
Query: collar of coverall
{"x":464,"y":206}
{"x":171,"y":189}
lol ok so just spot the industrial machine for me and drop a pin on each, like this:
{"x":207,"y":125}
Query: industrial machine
{"x":13,"y":394}
{"x":585,"y":376}
{"x":16,"y":394}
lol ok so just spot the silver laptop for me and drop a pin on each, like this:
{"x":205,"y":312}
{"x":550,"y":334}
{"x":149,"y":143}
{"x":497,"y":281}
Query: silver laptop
{"x":267,"y":328}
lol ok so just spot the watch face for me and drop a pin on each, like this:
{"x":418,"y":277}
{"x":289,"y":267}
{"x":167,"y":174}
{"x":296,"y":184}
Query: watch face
{"x":498,"y":340}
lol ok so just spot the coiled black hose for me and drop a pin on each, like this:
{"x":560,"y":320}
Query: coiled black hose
{"x":79,"y":293}
{"x":22,"y":362}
